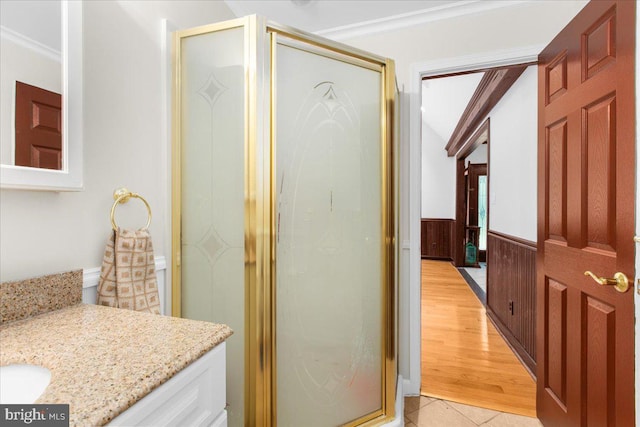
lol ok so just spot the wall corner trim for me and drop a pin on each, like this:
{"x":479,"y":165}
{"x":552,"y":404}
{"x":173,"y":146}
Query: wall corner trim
{"x":476,"y":61}
{"x":26,"y":42}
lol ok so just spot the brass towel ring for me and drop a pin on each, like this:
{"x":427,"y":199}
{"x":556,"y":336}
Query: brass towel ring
{"x":122,"y":195}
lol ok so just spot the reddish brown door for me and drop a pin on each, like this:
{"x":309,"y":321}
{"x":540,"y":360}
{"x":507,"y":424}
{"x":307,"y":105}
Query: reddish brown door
{"x":38,"y":127}
{"x":585,"y":219}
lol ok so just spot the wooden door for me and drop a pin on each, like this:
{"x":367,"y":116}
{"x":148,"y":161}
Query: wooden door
{"x":38,"y":127}
{"x":585,"y":219}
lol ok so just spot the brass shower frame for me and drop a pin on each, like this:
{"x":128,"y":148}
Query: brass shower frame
{"x":261,"y":39}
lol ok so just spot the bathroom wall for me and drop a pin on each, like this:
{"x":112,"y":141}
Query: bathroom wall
{"x":513,"y":168}
{"x":524,"y":24}
{"x":124,"y":127}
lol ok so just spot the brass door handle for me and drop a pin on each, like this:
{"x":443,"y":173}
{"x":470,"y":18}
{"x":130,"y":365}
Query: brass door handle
{"x":620,"y":281}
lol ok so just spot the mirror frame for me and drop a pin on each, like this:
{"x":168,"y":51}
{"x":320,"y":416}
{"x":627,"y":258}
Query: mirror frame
{"x":70,"y":177}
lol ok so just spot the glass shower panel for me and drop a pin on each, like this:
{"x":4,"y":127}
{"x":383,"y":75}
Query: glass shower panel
{"x":328,"y":239}
{"x":212,"y":191}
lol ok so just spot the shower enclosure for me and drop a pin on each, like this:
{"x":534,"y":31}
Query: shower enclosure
{"x":283,"y":219}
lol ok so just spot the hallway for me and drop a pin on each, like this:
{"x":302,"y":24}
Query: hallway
{"x":464,"y":358}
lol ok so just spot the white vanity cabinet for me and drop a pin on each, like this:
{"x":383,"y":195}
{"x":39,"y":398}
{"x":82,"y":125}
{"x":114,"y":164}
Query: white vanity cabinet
{"x":194,"y":396}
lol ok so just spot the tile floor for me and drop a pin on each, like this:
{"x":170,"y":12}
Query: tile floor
{"x":479,"y":275}
{"x":428,"y":412}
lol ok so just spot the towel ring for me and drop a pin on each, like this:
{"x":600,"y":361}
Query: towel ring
{"x":122,"y":195}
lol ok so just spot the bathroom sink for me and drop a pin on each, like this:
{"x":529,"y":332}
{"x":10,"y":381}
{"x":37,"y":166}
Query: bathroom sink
{"x":22,"y":383}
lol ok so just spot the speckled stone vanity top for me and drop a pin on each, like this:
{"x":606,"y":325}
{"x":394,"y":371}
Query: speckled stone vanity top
{"x":102,"y":359}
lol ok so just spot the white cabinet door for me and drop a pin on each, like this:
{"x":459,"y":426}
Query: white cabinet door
{"x":195,"y":396}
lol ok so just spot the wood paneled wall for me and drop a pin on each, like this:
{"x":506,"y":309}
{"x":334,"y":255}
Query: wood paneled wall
{"x":436,"y":238}
{"x":511,"y":292}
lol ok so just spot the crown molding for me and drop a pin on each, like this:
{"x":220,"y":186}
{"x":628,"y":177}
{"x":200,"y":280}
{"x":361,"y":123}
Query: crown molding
{"x":396,"y":22}
{"x":24,"y":41}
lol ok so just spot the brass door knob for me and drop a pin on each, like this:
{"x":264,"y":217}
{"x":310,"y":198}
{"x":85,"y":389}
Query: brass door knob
{"x":620,"y":281}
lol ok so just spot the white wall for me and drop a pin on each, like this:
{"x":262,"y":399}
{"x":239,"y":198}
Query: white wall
{"x":513,"y":162}
{"x":443,"y":102}
{"x":46,"y":232}
{"x":438,"y":177}
{"x":480,"y":155}
{"x":513,"y":170}
{"x":525,"y":24}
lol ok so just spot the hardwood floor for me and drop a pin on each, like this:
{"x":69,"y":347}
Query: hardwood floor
{"x":464,"y":359}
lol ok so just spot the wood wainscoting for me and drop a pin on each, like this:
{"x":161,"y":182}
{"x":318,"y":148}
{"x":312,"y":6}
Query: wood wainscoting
{"x":511,"y":293}
{"x":436,"y":238}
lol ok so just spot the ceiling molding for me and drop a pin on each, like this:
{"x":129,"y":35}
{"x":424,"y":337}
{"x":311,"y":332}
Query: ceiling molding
{"x":390,"y":23}
{"x":473,"y":62}
{"x":494,"y":84}
{"x":29,"y":43}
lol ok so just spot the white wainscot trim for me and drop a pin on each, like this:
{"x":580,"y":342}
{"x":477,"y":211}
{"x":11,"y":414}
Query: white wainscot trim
{"x":91,"y":277}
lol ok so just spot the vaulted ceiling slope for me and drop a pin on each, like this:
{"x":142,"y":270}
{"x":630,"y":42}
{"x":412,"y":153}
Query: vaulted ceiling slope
{"x":444,"y":100}
{"x":340,"y":19}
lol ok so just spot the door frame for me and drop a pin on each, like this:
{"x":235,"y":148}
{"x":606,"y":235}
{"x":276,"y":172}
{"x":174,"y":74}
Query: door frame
{"x":410,"y":196}
{"x":461,"y":189}
{"x":636,"y":280}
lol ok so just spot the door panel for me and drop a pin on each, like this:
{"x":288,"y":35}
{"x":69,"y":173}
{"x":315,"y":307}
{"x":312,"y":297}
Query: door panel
{"x":328,"y":297}
{"x":38,"y":127}
{"x":585,"y":216}
{"x":599,"y":127}
{"x":556,"y":153}
{"x":556,"y":378}
{"x":600,"y":362}
{"x":212,"y":204}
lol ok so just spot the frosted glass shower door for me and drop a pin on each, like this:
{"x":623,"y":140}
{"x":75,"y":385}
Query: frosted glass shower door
{"x":329,"y":242}
{"x":212,"y":127}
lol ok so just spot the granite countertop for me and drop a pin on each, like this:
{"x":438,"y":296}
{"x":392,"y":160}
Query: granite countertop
{"x":102,"y":359}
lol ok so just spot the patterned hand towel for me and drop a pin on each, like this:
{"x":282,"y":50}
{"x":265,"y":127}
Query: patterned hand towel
{"x":128,"y":274}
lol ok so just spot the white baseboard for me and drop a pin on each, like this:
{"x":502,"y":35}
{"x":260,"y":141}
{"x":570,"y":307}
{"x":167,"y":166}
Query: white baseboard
{"x":91,"y":277}
{"x":409,"y":388}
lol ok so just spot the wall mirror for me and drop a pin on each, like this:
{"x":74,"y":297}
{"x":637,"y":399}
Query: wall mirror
{"x":29,"y":34}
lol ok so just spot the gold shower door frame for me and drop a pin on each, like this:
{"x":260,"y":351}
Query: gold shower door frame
{"x":260,"y":43}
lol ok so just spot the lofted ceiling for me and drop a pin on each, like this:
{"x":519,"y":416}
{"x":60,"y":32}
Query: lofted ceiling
{"x":445,"y":99}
